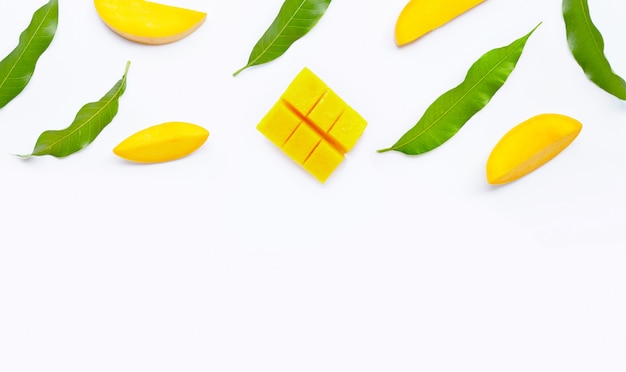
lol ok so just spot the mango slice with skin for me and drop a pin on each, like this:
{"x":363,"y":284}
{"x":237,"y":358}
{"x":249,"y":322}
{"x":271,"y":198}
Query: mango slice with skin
{"x":422,"y":16}
{"x":147,"y":22}
{"x":530,"y":145}
{"x":162,"y":142}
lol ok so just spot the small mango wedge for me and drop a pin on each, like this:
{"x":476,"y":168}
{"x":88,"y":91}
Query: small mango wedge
{"x":147,"y":22}
{"x":422,"y":16}
{"x":530,"y":145}
{"x":162,"y":142}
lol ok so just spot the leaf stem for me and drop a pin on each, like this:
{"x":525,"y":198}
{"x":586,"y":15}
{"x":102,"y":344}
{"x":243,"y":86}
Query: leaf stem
{"x":241,"y":69}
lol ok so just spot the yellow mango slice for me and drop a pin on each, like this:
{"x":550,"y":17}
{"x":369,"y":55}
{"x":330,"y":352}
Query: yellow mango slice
{"x":530,"y":145}
{"x":162,"y":142}
{"x":313,"y":125}
{"x":147,"y":22}
{"x":422,"y":16}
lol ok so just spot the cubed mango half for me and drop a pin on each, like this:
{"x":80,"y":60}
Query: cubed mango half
{"x":313,"y":125}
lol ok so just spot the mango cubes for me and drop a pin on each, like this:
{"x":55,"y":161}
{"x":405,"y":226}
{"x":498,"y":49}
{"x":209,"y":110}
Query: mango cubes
{"x":313,"y":125}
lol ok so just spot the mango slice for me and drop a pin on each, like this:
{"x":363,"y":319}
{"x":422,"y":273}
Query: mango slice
{"x":147,"y":22}
{"x":313,"y":125}
{"x":162,"y":142}
{"x":422,"y":16}
{"x":530,"y":145}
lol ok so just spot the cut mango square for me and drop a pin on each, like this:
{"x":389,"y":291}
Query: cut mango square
{"x":327,"y":111}
{"x":305,"y":91}
{"x":348,"y":129}
{"x":279,"y":124}
{"x":313,"y":125}
{"x":301,"y":143}
{"x":323,"y":161}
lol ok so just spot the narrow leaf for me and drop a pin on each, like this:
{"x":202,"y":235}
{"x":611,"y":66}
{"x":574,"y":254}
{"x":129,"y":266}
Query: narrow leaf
{"x":294,"y":20}
{"x":91,"y":119}
{"x":445,"y":117}
{"x":18,"y":66}
{"x":587,"y":46}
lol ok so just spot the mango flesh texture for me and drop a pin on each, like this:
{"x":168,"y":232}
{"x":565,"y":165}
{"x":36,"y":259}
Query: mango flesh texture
{"x":313,"y":125}
{"x":162,"y":142}
{"x":422,"y":16}
{"x":530,"y":145}
{"x":148,"y":22}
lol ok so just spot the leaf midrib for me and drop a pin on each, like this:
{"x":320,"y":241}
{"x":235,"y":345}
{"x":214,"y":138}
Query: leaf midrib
{"x":273,"y":40}
{"x":590,"y":27}
{"x":27,"y":45}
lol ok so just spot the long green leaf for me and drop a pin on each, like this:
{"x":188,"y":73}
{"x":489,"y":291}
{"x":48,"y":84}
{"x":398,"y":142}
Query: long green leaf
{"x":18,"y":67}
{"x":587,"y":46}
{"x":453,"y":109}
{"x":91,"y":119}
{"x":294,"y":20}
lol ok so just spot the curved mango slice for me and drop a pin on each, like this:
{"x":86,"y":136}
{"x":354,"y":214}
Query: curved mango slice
{"x":530,"y":145}
{"x":422,"y":16}
{"x":163,"y":142}
{"x":147,"y":22}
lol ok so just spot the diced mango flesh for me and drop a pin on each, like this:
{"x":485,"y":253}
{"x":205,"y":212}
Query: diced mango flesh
{"x":148,"y":22}
{"x":422,"y":16}
{"x":530,"y":145}
{"x":328,"y":109}
{"x":301,"y":143}
{"x":279,"y":123}
{"x":313,"y":125}
{"x":323,"y":161}
{"x":304,"y":92}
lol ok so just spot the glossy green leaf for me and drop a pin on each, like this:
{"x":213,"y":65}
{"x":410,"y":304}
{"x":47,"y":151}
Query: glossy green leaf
{"x":587,"y":46}
{"x":445,"y":117}
{"x":294,"y":20}
{"x":17,"y":68}
{"x":91,"y":119}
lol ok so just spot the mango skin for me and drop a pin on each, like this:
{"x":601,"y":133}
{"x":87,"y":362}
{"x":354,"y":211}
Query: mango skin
{"x":419,"y":17}
{"x":147,"y":22}
{"x":529,"y":145}
{"x":162,"y":142}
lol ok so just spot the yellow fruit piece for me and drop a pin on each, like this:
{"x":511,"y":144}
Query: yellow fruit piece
{"x":305,"y":91}
{"x":313,"y":125}
{"x":301,"y":143}
{"x":279,"y":123}
{"x":147,"y":22}
{"x":422,"y":16}
{"x":163,"y":142}
{"x":323,"y":161}
{"x":529,"y":145}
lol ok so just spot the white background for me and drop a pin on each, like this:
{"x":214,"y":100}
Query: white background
{"x":235,"y":259}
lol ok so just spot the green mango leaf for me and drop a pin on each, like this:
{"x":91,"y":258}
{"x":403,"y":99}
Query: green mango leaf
{"x":587,"y":46}
{"x":445,"y":117}
{"x":18,"y":67}
{"x":91,"y":119}
{"x":294,"y":20}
